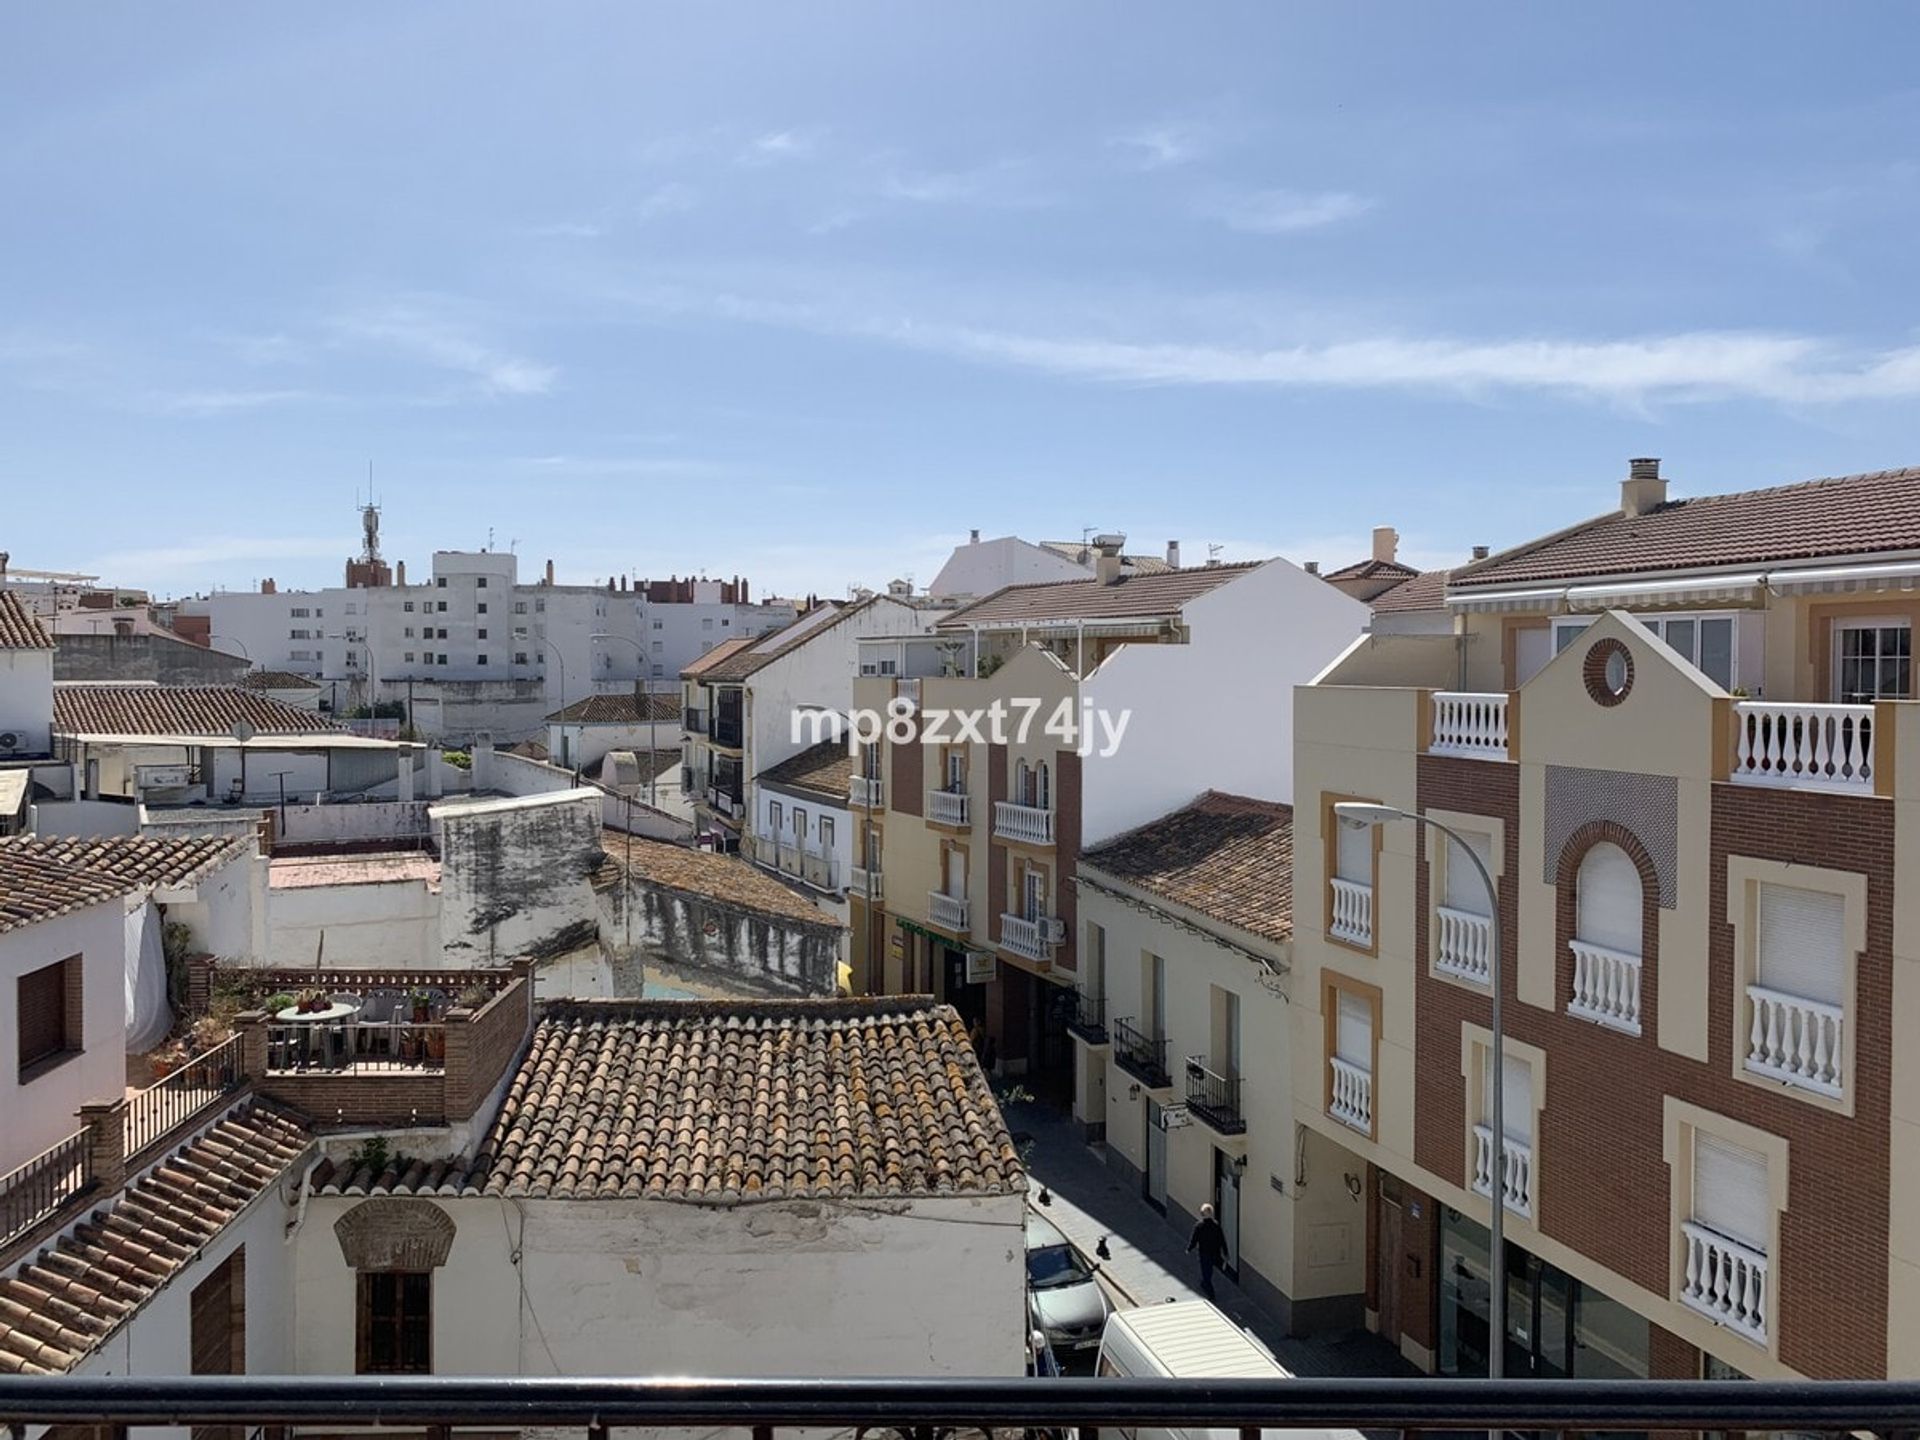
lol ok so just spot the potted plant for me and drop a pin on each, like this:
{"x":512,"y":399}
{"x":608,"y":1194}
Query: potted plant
{"x":422,"y":1007}
{"x":168,"y":1058}
{"x":437,"y":1043}
{"x":410,"y":1046}
{"x":276,"y":1003}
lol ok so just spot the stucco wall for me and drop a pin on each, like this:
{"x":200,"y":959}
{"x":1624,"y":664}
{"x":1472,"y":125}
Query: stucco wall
{"x":736,"y":950}
{"x":515,"y":876}
{"x":26,"y":698}
{"x":389,"y":925}
{"x":220,"y":916}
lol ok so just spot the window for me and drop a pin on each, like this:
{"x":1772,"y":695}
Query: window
{"x":658,"y":624}
{"x":1462,"y":923}
{"x":519,"y":607}
{"x":480,"y":584}
{"x":1727,"y":1236}
{"x":724,"y":622}
{"x":1708,"y":642}
{"x":1873,"y":660}
{"x":352,"y":609}
{"x":1516,"y":1124}
{"x":706,"y":622}
{"x":1350,"y":1061}
{"x":800,"y":824}
{"x":441,"y":581}
{"x":1796,"y":1006}
{"x":408,"y":657}
{"x":299,"y":634}
{"x":409,"y":632}
{"x":443,"y":660}
{"x":408,"y":607}
{"x":441,"y":605}
{"x":540,"y":607}
{"x":1156,"y":999}
{"x":519,"y":657}
{"x":481,"y":634}
{"x":1606,"y":939}
{"x":889,"y":667}
{"x":826,"y":834}
{"x":659,"y":670}
{"x":480,"y":660}
{"x":775,"y":813}
{"x":47,"y":1015}
{"x":299,"y":612}
{"x":481,"y":608}
{"x":395,"y":1324}
{"x":659,"y":646}
{"x":1033,"y":893}
{"x":956,"y":771}
{"x":1350,"y":887}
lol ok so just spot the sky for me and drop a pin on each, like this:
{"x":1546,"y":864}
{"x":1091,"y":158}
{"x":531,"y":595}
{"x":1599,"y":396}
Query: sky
{"x":804,"y":292}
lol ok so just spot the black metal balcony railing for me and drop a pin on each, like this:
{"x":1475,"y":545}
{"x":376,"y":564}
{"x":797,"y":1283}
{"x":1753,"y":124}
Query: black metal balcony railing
{"x":1089,"y":1020}
{"x":1214,"y":1099}
{"x":1142,"y":1056}
{"x":726,"y":731}
{"x":944,"y":1406}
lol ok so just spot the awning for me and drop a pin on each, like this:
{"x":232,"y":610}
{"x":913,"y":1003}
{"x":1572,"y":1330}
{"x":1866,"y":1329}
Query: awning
{"x":1493,"y":601}
{"x":1698,"y":589}
{"x":1843,"y":579}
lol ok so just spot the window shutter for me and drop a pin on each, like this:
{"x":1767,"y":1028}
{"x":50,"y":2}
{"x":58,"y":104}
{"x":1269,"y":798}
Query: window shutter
{"x":1353,"y":1039}
{"x":1518,"y":1099}
{"x":1802,"y":942}
{"x":42,"y":997}
{"x":1609,"y":908}
{"x":1354,"y":857}
{"x":1464,"y":890}
{"x":1730,"y":1190}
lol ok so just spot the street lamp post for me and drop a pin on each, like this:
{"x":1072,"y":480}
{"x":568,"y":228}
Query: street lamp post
{"x":1361,"y":815}
{"x":561,"y":661}
{"x":639,"y":650}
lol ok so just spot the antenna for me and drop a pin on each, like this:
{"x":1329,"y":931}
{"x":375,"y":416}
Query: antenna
{"x":489,"y":537}
{"x":1213,"y":551}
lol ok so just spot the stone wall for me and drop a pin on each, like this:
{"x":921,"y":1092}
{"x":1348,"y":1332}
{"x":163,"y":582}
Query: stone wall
{"x":738,"y":949}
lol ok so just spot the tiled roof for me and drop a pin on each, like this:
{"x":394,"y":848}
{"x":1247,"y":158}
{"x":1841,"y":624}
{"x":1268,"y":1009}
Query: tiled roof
{"x":725,"y":650}
{"x":1225,"y":856}
{"x":647,"y":765}
{"x":825,"y":769}
{"x":35,"y":888}
{"x":621,"y":709}
{"x":63,"y":1304}
{"x":725,"y":879}
{"x":765,"y":649}
{"x":1143,"y":595}
{"x":369,"y":867}
{"x":1373,"y":570}
{"x":176,"y":710}
{"x":277,"y":680}
{"x":1846,"y":515}
{"x":1425,"y":591}
{"x":20,"y":628}
{"x":723,"y":1102}
{"x":139,"y":859}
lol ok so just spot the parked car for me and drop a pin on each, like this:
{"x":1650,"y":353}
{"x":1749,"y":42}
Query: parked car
{"x":1065,"y":1302}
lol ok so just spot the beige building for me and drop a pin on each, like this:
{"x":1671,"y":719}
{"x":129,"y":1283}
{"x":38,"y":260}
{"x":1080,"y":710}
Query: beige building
{"x":1681,"y":738}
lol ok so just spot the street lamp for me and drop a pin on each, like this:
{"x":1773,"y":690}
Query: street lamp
{"x":560,"y":660}
{"x":244,"y":654}
{"x":652,"y":734}
{"x":1360,"y":815}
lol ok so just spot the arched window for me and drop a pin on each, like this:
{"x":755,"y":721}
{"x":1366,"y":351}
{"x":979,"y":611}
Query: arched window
{"x":1042,"y":787}
{"x":1609,"y":899}
{"x":1022,"y":783}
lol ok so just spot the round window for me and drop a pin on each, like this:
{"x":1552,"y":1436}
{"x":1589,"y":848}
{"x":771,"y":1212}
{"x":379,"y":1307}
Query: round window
{"x":1608,"y":671}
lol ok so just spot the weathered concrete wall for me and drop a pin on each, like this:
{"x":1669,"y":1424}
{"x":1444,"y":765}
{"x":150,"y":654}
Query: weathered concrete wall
{"x":372,"y":820}
{"x":516,"y":877}
{"x":735,"y":950}
{"x":143,"y":657}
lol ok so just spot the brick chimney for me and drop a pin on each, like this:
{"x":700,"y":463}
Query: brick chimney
{"x":266,"y":586}
{"x":1643,"y":489}
{"x":549,"y":572}
{"x":400,"y":572}
{"x":1386,"y":543}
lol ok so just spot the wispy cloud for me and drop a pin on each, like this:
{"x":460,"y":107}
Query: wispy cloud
{"x":1284,"y":212}
{"x":201,"y":404}
{"x":673,"y":198}
{"x":1161,"y":147}
{"x":419,"y":331}
{"x":567,"y":230}
{"x":1006,"y":184}
{"x":608,"y":466}
{"x":168,"y":561}
{"x":777,"y":146}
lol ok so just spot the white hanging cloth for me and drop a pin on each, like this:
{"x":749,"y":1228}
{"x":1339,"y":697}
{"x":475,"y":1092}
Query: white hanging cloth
{"x":149,"y":1019}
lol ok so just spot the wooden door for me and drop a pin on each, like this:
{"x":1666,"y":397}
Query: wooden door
{"x":218,"y":1345}
{"x":1392,"y":1262}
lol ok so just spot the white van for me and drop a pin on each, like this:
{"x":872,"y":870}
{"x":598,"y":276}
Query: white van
{"x":1190,"y":1340}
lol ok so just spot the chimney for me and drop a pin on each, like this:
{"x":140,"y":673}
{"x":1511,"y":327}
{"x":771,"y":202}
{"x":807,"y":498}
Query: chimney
{"x":482,"y":759}
{"x":5,"y":557}
{"x":1312,"y":567}
{"x":400,"y":572}
{"x":973,"y":537}
{"x":266,"y":586}
{"x":1386,"y":543}
{"x":1173,"y":554}
{"x":1107,"y":563}
{"x":1480,"y":552}
{"x":549,"y":572}
{"x":623,"y":584}
{"x":1643,"y":488}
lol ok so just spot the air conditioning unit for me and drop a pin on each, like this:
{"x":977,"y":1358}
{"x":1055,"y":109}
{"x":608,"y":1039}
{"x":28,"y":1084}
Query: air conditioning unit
{"x":1056,"y":930}
{"x":10,"y":740}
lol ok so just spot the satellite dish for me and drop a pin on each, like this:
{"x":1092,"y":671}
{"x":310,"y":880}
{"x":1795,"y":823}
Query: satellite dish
{"x":242,"y":731}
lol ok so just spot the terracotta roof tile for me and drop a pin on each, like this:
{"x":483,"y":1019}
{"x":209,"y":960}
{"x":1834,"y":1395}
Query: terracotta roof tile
{"x":763,"y":650}
{"x":59,"y":1306}
{"x":1846,"y":515}
{"x":725,"y":650}
{"x":1425,"y":591}
{"x":621,"y":709}
{"x":277,"y":680}
{"x":707,"y":876}
{"x":1131,"y":595}
{"x":176,"y":710}
{"x":825,"y":769}
{"x":34,"y":887}
{"x":1225,"y":856}
{"x":137,"y":859}
{"x":1372,"y":570}
{"x":20,"y":628}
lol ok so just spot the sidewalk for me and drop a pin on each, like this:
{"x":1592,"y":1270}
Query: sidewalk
{"x":1149,"y":1264}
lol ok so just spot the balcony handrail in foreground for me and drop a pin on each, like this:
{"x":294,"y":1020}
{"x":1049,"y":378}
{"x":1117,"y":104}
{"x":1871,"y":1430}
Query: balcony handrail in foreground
{"x":1470,"y":724}
{"x":1826,"y":747}
{"x":593,"y":1405}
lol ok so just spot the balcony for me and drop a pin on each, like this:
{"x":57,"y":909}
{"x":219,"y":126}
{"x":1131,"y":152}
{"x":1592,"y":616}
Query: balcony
{"x":947,"y":807}
{"x":1818,"y":747}
{"x":1142,"y":1056}
{"x":1352,"y":919}
{"x":1606,"y":987}
{"x":1463,"y":945}
{"x":821,"y":872}
{"x":693,"y":721}
{"x":1351,"y":1100}
{"x":1215,"y":1099}
{"x":1796,"y":1041}
{"x":1725,"y":1281}
{"x":726,"y":731}
{"x":1089,"y":1020}
{"x":866,"y":884}
{"x":723,"y":801}
{"x":1517,"y":1191}
{"x":1469,"y":725}
{"x":1031,"y":939}
{"x":1025,"y":824}
{"x":866,"y":792}
{"x":947,"y":911}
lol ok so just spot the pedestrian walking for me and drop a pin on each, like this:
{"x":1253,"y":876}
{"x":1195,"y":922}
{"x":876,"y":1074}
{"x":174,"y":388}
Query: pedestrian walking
{"x":1211,"y":1243}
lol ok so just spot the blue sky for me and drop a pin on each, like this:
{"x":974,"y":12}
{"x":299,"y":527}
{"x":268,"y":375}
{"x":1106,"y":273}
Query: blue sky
{"x":805,"y":291}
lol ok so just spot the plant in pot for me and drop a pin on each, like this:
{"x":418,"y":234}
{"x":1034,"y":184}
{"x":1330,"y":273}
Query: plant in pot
{"x":314,"y":1002}
{"x":276,"y":1003}
{"x":168,"y":1058}
{"x":422,"y":1007}
{"x":437,"y":1043}
{"x":410,"y":1046}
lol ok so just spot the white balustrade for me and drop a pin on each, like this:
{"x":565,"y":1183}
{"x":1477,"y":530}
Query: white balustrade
{"x":1467,"y":724}
{"x":1606,"y":986}
{"x":947,"y":807}
{"x":1025,"y":937}
{"x":1796,"y":1040}
{"x":865,"y":882}
{"x":1026,"y":823}
{"x":864,"y":792}
{"x":1352,"y":912}
{"x":946,"y":911}
{"x":1725,"y":1281}
{"x":1825,"y":746}
{"x":1464,"y":945}
{"x":1352,"y":1102}
{"x":1517,"y":1160}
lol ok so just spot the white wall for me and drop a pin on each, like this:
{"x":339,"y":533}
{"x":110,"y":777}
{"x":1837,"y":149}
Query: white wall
{"x":637,"y":1287}
{"x":515,"y":875}
{"x":391,"y":925}
{"x":35,"y":1115}
{"x":26,"y":699}
{"x":817,"y":675}
{"x":980,"y":568}
{"x":368,"y":820}
{"x":86,"y":817}
{"x":584,"y":745}
{"x":1216,"y":713}
{"x":219,"y":909}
